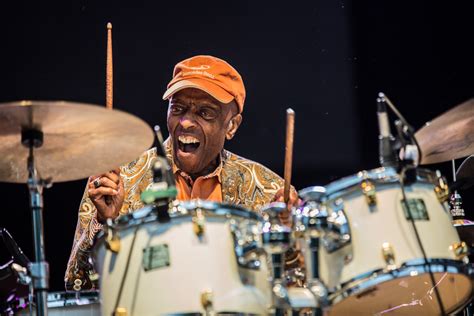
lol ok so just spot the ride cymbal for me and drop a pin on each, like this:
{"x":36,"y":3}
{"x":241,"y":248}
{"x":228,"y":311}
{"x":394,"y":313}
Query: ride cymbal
{"x":79,"y":139}
{"x":449,"y":136}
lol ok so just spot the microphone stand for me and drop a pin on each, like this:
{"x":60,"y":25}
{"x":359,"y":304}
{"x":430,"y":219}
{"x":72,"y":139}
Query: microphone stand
{"x":407,"y":170}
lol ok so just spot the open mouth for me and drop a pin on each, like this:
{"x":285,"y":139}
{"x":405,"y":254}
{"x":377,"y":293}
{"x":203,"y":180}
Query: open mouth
{"x":188,"y":144}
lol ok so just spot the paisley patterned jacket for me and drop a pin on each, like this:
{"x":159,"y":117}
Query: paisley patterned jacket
{"x":244,"y":182}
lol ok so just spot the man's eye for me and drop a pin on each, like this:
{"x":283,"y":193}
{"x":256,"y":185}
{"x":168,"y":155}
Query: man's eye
{"x":206,"y":114}
{"x":176,"y":109}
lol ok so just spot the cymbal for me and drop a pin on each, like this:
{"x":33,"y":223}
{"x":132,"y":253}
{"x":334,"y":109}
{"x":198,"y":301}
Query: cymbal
{"x":449,"y":136}
{"x":80,"y":139}
{"x":466,"y":169}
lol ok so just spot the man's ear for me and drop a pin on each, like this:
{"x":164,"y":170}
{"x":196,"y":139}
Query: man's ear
{"x":233,"y":126}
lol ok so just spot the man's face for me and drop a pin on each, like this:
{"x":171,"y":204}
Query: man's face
{"x":198,"y":125}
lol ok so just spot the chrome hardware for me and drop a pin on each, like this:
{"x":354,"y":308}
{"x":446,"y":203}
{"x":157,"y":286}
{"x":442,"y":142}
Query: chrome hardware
{"x":280,"y":295}
{"x":311,"y":219}
{"x":337,"y":233}
{"x":112,"y":240}
{"x":368,"y":189}
{"x":441,"y":188}
{"x":320,"y":292}
{"x":22,"y":274}
{"x":455,"y":202}
{"x":199,"y":222}
{"x":328,"y":223}
{"x":247,"y":243}
{"x":276,"y":237}
{"x":460,"y":250}
{"x":388,"y":255}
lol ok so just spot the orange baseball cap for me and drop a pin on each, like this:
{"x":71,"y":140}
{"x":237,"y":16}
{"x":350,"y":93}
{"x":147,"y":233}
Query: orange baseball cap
{"x":211,"y":75}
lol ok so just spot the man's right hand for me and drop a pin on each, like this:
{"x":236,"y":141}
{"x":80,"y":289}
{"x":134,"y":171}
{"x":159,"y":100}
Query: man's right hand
{"x":107,"y":193}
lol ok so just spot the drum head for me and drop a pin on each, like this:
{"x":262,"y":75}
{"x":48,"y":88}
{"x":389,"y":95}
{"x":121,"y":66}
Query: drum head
{"x":412,"y":295}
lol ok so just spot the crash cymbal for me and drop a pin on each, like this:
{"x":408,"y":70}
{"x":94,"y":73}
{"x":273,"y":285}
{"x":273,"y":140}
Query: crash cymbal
{"x":449,"y":136}
{"x":79,"y":139}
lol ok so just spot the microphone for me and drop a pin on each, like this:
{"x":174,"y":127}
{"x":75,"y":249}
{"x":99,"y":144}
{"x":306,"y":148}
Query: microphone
{"x":163,"y":187}
{"x":387,"y":157}
{"x":13,"y":248}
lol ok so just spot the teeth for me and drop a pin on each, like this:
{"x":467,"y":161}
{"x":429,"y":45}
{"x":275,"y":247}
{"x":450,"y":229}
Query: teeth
{"x":188,"y":139}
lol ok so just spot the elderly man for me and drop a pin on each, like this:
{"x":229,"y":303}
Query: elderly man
{"x":206,"y":99}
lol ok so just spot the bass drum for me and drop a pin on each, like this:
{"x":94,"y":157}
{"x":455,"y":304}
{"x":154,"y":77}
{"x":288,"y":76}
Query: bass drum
{"x":67,"y":304}
{"x":369,"y":256}
{"x":206,"y":259}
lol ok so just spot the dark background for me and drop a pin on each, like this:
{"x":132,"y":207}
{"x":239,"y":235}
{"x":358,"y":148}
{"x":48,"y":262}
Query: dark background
{"x":326,"y":59}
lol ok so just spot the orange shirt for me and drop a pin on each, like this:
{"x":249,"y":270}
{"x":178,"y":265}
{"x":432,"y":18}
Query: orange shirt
{"x":206,"y":187}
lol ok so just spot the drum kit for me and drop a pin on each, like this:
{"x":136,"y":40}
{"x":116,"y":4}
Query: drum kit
{"x":199,"y":257}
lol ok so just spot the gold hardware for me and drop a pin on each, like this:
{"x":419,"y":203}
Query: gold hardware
{"x":199,"y":223}
{"x":120,"y":311}
{"x":459,"y":249}
{"x":112,"y":241}
{"x":389,"y":256}
{"x":368,"y":189}
{"x":206,"y":299}
{"x":442,"y":190}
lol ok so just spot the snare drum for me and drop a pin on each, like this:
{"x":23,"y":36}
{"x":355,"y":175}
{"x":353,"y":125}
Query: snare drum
{"x":207,"y":258}
{"x":68,"y":304}
{"x":369,"y":257}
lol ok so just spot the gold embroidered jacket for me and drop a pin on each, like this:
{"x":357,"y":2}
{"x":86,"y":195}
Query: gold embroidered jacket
{"x":244,"y":182}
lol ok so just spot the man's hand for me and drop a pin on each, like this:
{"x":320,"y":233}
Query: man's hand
{"x":293,"y":201}
{"x":107,"y":193}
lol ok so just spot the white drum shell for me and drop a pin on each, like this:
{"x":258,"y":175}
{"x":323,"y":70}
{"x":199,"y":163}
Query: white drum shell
{"x":360,"y":279}
{"x":196,"y":265}
{"x":386,"y":223}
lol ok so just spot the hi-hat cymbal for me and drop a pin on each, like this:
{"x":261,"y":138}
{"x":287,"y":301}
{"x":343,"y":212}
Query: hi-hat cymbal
{"x":79,"y":139}
{"x":449,"y":136}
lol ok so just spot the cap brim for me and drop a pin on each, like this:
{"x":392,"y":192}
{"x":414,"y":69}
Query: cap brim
{"x":214,"y":90}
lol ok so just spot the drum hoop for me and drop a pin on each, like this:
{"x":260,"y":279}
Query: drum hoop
{"x":367,"y":280}
{"x":59,"y":299}
{"x":209,"y":209}
{"x":379,"y":176}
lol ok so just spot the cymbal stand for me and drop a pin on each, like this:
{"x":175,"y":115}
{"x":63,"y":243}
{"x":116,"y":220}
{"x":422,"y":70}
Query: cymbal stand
{"x":39,"y":269}
{"x":455,"y":200}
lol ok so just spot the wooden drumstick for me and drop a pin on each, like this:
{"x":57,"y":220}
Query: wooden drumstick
{"x":290,"y":126}
{"x":109,"y":80}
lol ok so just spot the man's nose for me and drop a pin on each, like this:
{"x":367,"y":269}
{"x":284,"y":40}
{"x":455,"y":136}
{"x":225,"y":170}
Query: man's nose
{"x":187,"y":122}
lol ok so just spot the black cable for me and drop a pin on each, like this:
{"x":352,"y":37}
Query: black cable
{"x":124,"y":277}
{"x":425,"y":258}
{"x":410,"y":133}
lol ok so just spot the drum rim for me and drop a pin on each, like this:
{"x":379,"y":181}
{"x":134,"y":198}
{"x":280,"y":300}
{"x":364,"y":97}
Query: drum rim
{"x":209,"y":208}
{"x":383,"y":175}
{"x":369,"y":279}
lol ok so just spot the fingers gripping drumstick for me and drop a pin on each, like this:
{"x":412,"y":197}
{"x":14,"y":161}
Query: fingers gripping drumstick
{"x":290,"y":126}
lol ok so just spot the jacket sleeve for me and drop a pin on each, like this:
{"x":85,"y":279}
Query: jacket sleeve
{"x":80,"y":273}
{"x":79,"y":267}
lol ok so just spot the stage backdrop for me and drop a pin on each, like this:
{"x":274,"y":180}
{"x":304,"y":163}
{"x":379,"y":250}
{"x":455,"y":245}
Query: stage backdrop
{"x":325,"y":59}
